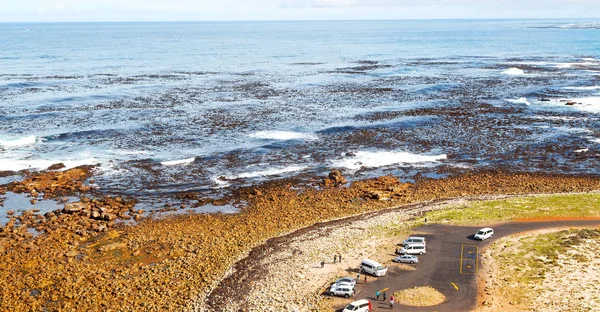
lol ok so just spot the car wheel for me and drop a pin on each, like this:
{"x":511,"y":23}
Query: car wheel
{"x":331,"y":293}
{"x":412,"y":262}
{"x":421,"y":253}
{"x":346,"y":296}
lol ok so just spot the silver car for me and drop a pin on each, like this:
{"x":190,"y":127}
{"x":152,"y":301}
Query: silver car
{"x":343,"y":289}
{"x":406,"y":259}
{"x":347,"y":280}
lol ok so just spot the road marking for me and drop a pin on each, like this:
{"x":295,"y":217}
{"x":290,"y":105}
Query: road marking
{"x":469,"y":259}
{"x":462,"y":249}
{"x":454,"y":285}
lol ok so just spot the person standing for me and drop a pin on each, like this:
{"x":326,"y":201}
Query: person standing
{"x":365,"y":278}
{"x":334,"y":258}
{"x":377,"y":294}
{"x":391,"y":302}
{"x":384,"y":296}
{"x":322,"y":263}
{"x":340,"y":256}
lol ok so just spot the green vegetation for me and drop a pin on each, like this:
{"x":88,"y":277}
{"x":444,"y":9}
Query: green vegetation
{"x":524,"y":264}
{"x":504,"y":210}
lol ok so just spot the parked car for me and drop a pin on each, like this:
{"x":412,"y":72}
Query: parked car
{"x":406,"y":259}
{"x":347,"y":280}
{"x":413,"y":250}
{"x":342,"y":289}
{"x":414,"y":240}
{"x":363,"y":305}
{"x":484,"y":233}
{"x":372,"y":267}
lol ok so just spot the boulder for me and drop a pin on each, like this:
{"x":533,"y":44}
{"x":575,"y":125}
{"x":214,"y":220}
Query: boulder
{"x":56,"y":166}
{"x":73,"y":207}
{"x":336,"y":177}
{"x":71,"y":253}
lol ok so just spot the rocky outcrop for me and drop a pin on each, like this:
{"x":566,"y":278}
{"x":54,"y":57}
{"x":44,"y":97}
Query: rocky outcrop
{"x":166,"y":264}
{"x":334,"y":178}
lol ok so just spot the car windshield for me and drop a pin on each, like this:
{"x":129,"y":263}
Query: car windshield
{"x":480,"y":233}
{"x":350,"y":307}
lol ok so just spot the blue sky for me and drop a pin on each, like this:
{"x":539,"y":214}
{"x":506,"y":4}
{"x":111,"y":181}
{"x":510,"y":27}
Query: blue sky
{"x":226,"y":10}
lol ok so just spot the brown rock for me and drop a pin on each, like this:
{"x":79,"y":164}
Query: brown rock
{"x":56,"y":166}
{"x":336,"y":177}
{"x":110,"y":247}
{"x":96,"y":215}
{"x":109,"y":216}
{"x":71,"y":253}
{"x":74,"y":207}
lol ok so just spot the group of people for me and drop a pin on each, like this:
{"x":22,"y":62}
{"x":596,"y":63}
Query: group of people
{"x":378,"y":294}
{"x":336,"y":258}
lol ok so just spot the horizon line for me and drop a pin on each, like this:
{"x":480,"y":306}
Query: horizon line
{"x":306,"y":20}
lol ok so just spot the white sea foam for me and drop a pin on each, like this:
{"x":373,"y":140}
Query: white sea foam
{"x":584,"y":88}
{"x":29,"y":140}
{"x":588,"y":104}
{"x":269,"y":172}
{"x":586,"y":62}
{"x":513,"y":72}
{"x":40,"y":164}
{"x":583,"y":150}
{"x":595,"y":140}
{"x":186,"y":161}
{"x":381,"y":159}
{"x":283,"y":135}
{"x":220,"y":183}
{"x":521,"y":100}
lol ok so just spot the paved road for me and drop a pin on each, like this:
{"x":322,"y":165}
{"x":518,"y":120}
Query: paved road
{"x":452,"y":261}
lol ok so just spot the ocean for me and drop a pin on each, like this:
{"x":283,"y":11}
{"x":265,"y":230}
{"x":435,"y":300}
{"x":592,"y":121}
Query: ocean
{"x":206,"y":107}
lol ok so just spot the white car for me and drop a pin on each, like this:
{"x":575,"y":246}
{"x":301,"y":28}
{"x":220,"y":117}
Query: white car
{"x":347,"y":280}
{"x":363,"y":305}
{"x":342,"y":289}
{"x":406,"y":259}
{"x":484,"y":233}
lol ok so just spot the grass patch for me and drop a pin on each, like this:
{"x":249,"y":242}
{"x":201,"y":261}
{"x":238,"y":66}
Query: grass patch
{"x":504,"y":210}
{"x":523,"y":265}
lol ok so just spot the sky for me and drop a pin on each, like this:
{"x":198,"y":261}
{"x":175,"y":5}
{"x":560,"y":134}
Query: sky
{"x":244,"y":10}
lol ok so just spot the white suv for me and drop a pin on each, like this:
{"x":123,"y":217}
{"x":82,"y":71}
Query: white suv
{"x":484,"y":233}
{"x":343,"y":289}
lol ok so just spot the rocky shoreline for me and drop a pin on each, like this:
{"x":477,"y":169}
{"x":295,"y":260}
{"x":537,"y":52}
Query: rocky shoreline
{"x":175,"y":262}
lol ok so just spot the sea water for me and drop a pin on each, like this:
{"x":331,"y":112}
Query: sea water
{"x":202,"y":106}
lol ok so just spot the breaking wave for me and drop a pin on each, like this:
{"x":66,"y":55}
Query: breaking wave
{"x":513,"y":72}
{"x":29,"y":140}
{"x":283,"y":135}
{"x":382,"y":159}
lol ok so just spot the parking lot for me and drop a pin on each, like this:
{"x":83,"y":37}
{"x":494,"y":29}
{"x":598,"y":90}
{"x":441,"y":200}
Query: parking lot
{"x":450,"y":265}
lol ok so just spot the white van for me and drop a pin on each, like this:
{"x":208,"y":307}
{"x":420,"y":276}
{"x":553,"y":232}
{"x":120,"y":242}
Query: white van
{"x":484,"y":233}
{"x":359,"y":306}
{"x":413,"y":250}
{"x":414,"y":240}
{"x":372,"y":267}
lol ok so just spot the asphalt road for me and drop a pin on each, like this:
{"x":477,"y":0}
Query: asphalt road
{"x":451,"y":265}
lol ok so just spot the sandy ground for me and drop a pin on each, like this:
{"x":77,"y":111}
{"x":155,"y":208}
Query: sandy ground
{"x":571,"y":285}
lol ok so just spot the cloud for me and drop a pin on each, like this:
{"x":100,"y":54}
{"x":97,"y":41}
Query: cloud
{"x":506,"y":4}
{"x":57,"y":8}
